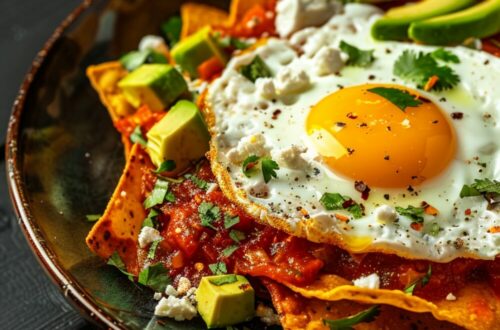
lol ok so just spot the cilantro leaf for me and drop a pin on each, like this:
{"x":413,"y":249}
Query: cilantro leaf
{"x":420,"y":67}
{"x":93,"y":217}
{"x":400,"y":98}
{"x":152,"y":249}
{"x":424,"y":280}
{"x":166,"y":166}
{"x":335,"y":201}
{"x":232,"y":42}
{"x":137,"y":137}
{"x":237,"y":235}
{"x":228,"y":279}
{"x":158,"y":195}
{"x":136,"y":58}
{"x":357,"y":57}
{"x":347,"y":323}
{"x":171,"y":30}
{"x":268,"y":169}
{"x":249,"y":164}
{"x":434,"y":230}
{"x":200,"y":183}
{"x":479,"y":187}
{"x":116,"y":261}
{"x":445,"y":55}
{"x":415,"y":213}
{"x":230,"y":220}
{"x":208,"y":213}
{"x":256,"y":69}
{"x":229,"y":250}
{"x":155,"y":276}
{"x":218,"y":268}
{"x":150,"y":219}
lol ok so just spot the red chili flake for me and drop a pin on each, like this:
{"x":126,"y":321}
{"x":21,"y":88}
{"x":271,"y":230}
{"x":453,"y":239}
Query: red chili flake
{"x":362,"y":188}
{"x":429,"y":209}
{"x":416,"y":226}
{"x":352,"y":115}
{"x":457,"y":115}
{"x":348,"y":203}
{"x":276,"y":113}
{"x":468,"y":212}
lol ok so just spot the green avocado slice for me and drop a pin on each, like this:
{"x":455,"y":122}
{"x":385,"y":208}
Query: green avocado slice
{"x":181,"y":136}
{"x":479,"y":21}
{"x":157,"y":85}
{"x":394,"y":25}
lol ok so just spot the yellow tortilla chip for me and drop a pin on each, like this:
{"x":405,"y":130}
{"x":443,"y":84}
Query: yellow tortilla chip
{"x":297,"y":312}
{"x":104,"y":78}
{"x":196,"y":16}
{"x":119,"y":227}
{"x":476,"y":306}
{"x":239,"y":8}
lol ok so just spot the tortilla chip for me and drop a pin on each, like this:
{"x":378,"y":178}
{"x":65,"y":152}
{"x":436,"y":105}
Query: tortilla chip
{"x":297,"y":312}
{"x":119,"y":227}
{"x":476,"y":307}
{"x":104,"y":78}
{"x":239,"y":8}
{"x":196,"y":16}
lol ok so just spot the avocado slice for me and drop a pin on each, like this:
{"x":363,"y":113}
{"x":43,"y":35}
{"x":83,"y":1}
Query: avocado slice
{"x":225,"y":300}
{"x":395,"y":23}
{"x":479,"y":21}
{"x":157,"y":85}
{"x":196,"y":49}
{"x":181,"y":135}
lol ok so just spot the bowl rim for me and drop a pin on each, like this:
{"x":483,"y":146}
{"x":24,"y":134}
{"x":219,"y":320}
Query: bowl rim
{"x":72,"y":291}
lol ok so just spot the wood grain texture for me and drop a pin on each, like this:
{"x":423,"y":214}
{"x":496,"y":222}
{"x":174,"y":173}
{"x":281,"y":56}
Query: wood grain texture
{"x":28,"y":299}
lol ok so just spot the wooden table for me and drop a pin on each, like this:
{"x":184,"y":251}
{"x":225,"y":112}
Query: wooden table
{"x":28,"y":299}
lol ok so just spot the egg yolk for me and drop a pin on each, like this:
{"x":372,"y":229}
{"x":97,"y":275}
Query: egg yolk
{"x":366,"y":137}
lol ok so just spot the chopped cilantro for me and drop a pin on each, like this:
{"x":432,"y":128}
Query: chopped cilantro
{"x":208,"y":214}
{"x":228,"y":279}
{"x":237,"y":235}
{"x":230,"y":220}
{"x":229,"y":250}
{"x":434,"y":229}
{"x":415,"y":213}
{"x":200,"y":183}
{"x":116,"y":261}
{"x":152,"y":249}
{"x":335,"y":201}
{"x":137,"y":137}
{"x":159,"y":194}
{"x":249,"y":164}
{"x":166,"y":166}
{"x":232,"y":42}
{"x":150,"y":219}
{"x":480,"y":187}
{"x":347,"y":323}
{"x":357,"y":57}
{"x":93,"y":217}
{"x":419,"y":67}
{"x":171,"y":30}
{"x":155,"y":276}
{"x":136,"y":58}
{"x":256,"y":69}
{"x":218,"y":268}
{"x":268,"y":169}
{"x":445,"y":55}
{"x":423,"y":282}
{"x":400,"y":98}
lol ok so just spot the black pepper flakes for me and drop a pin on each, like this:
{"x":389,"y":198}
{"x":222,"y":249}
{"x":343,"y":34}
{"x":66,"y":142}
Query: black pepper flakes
{"x":457,"y":115}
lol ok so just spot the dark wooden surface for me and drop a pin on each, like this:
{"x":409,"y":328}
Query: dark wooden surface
{"x":28,"y":298}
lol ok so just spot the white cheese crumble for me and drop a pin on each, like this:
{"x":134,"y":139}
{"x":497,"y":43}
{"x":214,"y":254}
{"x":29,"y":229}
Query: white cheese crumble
{"x":293,"y":15}
{"x":183,"y":286}
{"x":385,"y":214}
{"x":212,"y":187}
{"x":147,"y":236}
{"x":267,"y":315}
{"x":371,"y":281}
{"x":451,"y":297}
{"x":179,"y":309}
{"x":291,"y":80}
{"x":265,"y":88}
{"x":328,"y":61}
{"x":292,"y":157}
{"x":171,"y":291}
{"x":249,"y":145}
{"x":157,"y":296}
{"x":152,"y":42}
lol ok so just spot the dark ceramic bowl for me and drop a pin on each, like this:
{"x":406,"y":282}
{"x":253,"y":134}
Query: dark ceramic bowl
{"x":64,"y":157}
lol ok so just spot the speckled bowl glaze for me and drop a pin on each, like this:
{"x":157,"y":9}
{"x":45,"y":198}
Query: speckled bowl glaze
{"x":64,"y":158}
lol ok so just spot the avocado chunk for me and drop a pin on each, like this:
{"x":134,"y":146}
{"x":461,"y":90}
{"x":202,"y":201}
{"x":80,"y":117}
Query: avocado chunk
{"x":225,"y":300}
{"x":196,"y":49}
{"x":479,"y":21}
{"x":181,"y":136}
{"x":156,"y":85}
{"x":395,"y":23}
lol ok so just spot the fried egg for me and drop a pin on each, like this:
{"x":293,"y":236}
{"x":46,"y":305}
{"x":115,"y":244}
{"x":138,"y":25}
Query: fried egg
{"x":329,"y":134}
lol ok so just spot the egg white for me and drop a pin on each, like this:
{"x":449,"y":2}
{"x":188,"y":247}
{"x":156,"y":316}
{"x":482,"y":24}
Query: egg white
{"x":241,"y":113}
